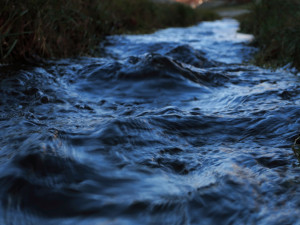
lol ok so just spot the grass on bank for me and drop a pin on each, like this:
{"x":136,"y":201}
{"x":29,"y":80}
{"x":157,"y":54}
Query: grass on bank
{"x":33,"y":29}
{"x":276,"y":27}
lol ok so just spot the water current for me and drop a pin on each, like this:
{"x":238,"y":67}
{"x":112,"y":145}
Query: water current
{"x":167,"y":128}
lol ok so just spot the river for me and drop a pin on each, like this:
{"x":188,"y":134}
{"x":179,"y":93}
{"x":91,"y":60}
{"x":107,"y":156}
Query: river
{"x":167,"y":128}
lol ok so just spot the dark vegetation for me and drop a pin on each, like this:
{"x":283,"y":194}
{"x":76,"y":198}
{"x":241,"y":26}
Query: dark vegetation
{"x":34,"y":29}
{"x":276,"y":27}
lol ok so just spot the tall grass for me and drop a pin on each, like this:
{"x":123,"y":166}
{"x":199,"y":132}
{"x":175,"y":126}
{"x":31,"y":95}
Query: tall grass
{"x":33,"y":29}
{"x":276,"y":26}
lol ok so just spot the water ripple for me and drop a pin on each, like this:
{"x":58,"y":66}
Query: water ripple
{"x":165,"y":128}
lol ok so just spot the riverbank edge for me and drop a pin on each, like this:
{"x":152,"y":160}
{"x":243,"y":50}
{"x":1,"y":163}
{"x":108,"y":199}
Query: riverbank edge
{"x":34,"y":30}
{"x":275,"y":25}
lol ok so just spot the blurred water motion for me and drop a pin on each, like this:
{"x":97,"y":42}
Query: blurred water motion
{"x":166,"y":128}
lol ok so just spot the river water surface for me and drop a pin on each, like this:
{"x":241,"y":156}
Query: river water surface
{"x":167,"y":128}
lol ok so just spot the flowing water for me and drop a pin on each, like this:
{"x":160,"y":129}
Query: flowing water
{"x":167,"y":128}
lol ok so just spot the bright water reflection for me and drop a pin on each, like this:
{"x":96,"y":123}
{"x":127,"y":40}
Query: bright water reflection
{"x":167,"y":128}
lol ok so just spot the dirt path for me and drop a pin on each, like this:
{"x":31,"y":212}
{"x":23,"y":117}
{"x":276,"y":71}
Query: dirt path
{"x":226,"y":10}
{"x":232,"y":12}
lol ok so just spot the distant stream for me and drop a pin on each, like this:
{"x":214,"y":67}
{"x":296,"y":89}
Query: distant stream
{"x":170,"y":128}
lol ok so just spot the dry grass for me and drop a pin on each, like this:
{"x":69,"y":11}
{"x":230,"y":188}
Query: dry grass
{"x":276,"y":26}
{"x":33,"y":29}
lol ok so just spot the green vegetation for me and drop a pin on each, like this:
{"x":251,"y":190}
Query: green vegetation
{"x":276,"y":27}
{"x":33,"y":29}
{"x":296,"y":148}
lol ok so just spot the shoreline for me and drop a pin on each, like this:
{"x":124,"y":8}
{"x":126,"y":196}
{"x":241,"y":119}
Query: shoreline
{"x":277,"y":37}
{"x":31,"y":32}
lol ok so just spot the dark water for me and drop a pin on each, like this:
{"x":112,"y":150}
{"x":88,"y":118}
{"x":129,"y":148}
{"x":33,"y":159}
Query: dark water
{"x":168,"y":128}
